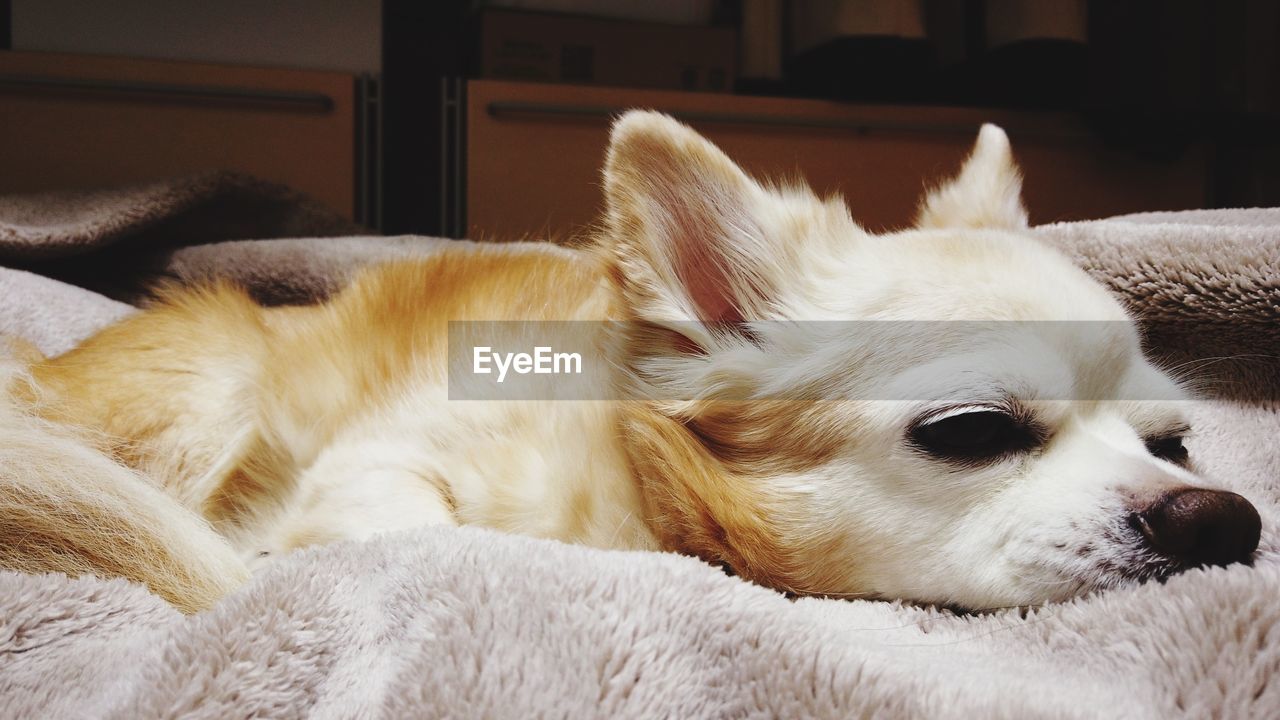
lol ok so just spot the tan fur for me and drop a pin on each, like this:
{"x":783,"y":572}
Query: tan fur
{"x":199,"y":390}
{"x":704,"y":507}
{"x":66,"y":507}
{"x":279,"y":428}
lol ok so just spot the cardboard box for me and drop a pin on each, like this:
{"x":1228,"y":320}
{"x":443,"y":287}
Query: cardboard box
{"x":553,"y":48}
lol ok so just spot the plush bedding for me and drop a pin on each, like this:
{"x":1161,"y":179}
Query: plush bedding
{"x":471,"y":623}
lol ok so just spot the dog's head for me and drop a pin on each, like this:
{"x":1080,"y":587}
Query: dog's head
{"x":951,"y":414}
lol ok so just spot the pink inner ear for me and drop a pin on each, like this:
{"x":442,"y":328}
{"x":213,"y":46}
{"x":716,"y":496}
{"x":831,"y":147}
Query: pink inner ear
{"x":701,"y":264}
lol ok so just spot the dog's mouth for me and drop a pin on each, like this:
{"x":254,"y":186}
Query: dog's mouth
{"x":1139,"y":567}
{"x":1143,"y":546}
{"x":1142,"y":549}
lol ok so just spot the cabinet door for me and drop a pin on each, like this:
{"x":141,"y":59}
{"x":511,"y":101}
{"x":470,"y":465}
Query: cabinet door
{"x":73,"y":121}
{"x":533,"y":155}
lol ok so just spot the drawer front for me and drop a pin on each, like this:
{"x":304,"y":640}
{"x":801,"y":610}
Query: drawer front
{"x":72,"y":122}
{"x":534,"y":154}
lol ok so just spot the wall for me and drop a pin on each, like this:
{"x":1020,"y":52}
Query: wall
{"x":344,"y":35}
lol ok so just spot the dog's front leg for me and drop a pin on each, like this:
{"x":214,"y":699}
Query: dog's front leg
{"x":352,"y":492}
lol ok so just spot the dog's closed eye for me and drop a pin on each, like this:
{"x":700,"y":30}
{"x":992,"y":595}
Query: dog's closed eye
{"x":1168,"y":447}
{"x":973,"y":434}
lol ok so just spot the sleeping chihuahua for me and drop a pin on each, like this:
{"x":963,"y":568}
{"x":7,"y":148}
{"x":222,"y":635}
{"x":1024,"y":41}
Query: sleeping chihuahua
{"x":950,"y":414}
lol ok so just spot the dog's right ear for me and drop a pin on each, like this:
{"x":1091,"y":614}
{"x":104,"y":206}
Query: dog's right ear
{"x":686,"y":226}
{"x":986,"y":194}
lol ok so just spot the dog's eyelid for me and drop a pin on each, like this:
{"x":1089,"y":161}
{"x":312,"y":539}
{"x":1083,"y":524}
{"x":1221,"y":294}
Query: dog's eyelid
{"x":1182,"y":432}
{"x":955,"y":411}
{"x":951,"y":411}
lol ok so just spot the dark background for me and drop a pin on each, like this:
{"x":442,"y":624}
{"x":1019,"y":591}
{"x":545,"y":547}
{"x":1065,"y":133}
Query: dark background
{"x":1154,"y":78}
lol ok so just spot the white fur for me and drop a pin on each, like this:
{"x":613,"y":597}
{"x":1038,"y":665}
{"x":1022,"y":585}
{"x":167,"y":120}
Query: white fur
{"x":1038,"y":526}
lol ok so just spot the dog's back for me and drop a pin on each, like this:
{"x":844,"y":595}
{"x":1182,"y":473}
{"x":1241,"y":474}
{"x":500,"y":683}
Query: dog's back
{"x":213,"y":405}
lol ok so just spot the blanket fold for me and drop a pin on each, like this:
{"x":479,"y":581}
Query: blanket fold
{"x":121,"y":242}
{"x":471,"y":623}
{"x":207,"y":207}
{"x":1205,"y":284}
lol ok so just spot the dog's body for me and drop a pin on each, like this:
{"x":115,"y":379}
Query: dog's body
{"x":291,"y":426}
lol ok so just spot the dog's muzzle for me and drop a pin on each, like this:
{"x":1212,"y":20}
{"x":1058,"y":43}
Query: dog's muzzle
{"x":1194,"y":527}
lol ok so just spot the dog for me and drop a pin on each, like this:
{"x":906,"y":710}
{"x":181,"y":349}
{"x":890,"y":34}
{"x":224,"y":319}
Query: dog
{"x":749,"y":421}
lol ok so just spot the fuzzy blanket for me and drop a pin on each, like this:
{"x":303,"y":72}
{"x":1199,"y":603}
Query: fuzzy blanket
{"x":471,"y":623}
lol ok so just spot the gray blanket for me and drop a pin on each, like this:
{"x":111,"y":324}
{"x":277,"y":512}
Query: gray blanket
{"x":471,"y":623}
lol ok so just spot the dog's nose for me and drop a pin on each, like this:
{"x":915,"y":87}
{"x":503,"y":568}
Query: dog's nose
{"x":1201,"y":527}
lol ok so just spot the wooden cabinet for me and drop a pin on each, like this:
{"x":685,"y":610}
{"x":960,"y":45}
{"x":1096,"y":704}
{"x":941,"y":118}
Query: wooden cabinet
{"x":534,"y":152}
{"x":74,"y":121}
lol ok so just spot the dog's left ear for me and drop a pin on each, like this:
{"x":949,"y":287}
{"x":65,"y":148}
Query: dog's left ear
{"x":686,"y":226}
{"x":986,"y":194}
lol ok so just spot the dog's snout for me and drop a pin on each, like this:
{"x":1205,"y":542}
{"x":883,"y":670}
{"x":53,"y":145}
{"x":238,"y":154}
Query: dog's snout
{"x":1194,"y":527}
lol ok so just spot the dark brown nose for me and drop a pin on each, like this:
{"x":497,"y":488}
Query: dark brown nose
{"x":1201,"y":527}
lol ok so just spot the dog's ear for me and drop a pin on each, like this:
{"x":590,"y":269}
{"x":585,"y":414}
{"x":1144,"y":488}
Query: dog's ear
{"x":686,"y":225}
{"x":986,"y":194}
